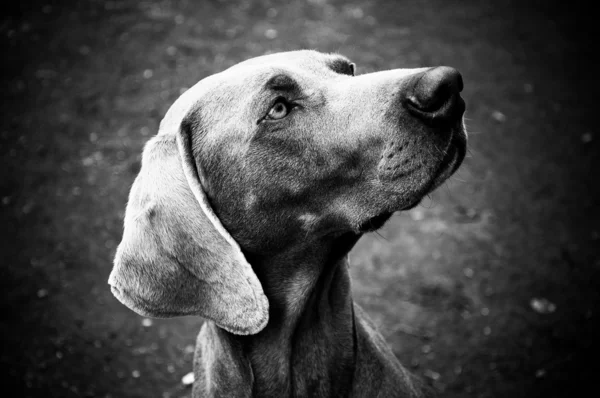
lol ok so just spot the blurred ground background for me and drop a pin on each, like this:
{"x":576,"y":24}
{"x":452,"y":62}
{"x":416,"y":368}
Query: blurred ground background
{"x":457,"y":285}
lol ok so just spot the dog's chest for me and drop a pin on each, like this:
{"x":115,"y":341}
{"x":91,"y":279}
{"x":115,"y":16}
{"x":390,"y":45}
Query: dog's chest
{"x":314,"y":365}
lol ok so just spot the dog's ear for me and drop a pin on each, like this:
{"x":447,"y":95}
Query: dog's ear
{"x":176,"y":258}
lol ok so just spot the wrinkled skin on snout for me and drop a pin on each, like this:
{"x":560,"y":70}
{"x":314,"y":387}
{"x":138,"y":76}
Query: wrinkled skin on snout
{"x":295,"y":146}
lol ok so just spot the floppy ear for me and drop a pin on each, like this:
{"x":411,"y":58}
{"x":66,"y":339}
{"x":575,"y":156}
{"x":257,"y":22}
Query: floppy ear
{"x":176,"y":258}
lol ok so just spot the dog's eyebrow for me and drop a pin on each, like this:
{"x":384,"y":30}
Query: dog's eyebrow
{"x":341,"y":66}
{"x":282,"y":83}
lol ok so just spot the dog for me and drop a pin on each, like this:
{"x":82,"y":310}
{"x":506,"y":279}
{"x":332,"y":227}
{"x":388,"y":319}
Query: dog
{"x":259,"y":182}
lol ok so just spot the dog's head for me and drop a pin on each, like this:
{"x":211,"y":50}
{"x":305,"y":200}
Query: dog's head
{"x":277,"y":149}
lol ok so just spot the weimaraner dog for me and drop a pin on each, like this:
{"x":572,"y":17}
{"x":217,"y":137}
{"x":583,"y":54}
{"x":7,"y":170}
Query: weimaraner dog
{"x":259,"y":182}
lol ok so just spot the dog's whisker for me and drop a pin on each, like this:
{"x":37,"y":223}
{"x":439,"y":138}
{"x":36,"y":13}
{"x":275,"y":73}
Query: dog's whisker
{"x":381,"y":236}
{"x":431,"y":204}
{"x":454,"y":178}
{"x":442,"y":153}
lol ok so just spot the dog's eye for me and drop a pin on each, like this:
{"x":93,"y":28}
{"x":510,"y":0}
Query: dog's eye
{"x":279,"y":110}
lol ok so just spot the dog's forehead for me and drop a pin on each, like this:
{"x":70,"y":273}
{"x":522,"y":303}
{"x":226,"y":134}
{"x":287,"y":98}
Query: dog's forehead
{"x":246,"y":78}
{"x":302,"y":59}
{"x":303,"y":64}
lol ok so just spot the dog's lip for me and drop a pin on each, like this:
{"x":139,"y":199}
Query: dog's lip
{"x":455,"y":155}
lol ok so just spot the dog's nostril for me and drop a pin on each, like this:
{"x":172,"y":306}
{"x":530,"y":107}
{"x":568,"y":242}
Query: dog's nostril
{"x":435,"y":87}
{"x":435,"y":93}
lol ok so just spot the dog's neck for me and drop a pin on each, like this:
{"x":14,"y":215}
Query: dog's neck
{"x":310,"y":335}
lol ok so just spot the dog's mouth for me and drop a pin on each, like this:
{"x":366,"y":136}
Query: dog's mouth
{"x":455,"y":154}
{"x":453,"y":158}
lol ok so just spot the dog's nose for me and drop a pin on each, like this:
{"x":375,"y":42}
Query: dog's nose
{"x":435,"y":95}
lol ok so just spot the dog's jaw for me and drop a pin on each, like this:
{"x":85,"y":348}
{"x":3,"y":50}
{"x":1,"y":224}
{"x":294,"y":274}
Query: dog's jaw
{"x":454,"y":155}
